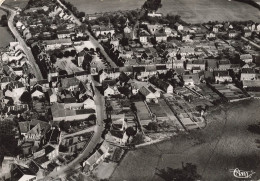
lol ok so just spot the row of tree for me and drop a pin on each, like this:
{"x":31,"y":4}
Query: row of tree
{"x":73,"y":9}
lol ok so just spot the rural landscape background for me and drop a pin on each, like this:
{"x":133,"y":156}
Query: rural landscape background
{"x":226,"y":143}
{"x":191,"y":11}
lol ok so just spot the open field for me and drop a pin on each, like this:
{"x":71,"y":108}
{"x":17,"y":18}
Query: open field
{"x":16,"y":3}
{"x":223,"y":145}
{"x":5,"y":35}
{"x":192,"y":11}
{"x":93,"y":6}
{"x":196,"y":11}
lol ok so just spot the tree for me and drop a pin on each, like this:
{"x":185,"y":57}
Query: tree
{"x":124,"y":90}
{"x":188,"y":172}
{"x":124,"y":42}
{"x":53,"y":58}
{"x":63,"y":148}
{"x":59,"y":55}
{"x":92,"y":117}
{"x":152,"y":126}
{"x":133,"y":108}
{"x":109,"y":109}
{"x":64,"y":126}
{"x":130,"y":131}
{"x":66,"y":54}
{"x":81,"y":15}
{"x":98,"y":50}
{"x":26,"y":97}
{"x":152,"y":5}
{"x":73,"y":53}
{"x":3,"y":20}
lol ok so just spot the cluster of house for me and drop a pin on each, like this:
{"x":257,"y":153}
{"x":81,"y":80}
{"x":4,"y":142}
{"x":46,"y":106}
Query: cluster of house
{"x":30,"y":22}
{"x":15,"y":75}
{"x":60,"y":98}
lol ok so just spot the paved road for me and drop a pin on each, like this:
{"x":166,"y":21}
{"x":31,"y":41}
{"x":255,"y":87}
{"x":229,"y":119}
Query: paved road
{"x":92,"y":39}
{"x":27,"y":50}
{"x":100,"y":109}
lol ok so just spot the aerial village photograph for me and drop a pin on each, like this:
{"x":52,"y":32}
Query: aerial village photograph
{"x":129,"y":90}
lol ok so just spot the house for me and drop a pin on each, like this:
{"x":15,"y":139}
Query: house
{"x":249,"y":65}
{"x":52,"y":95}
{"x":153,"y":28}
{"x":155,"y":91}
{"x":233,"y":34}
{"x":178,"y":27}
{"x":97,"y":157}
{"x":19,"y":25}
{"x":21,"y":173}
{"x":143,"y":36}
{"x":196,"y":63}
{"x":212,"y":64}
{"x":247,"y":58}
{"x":215,"y":29}
{"x":33,"y":130}
{"x":109,"y":90}
{"x":248,"y":74}
{"x":235,"y":67}
{"x":4,"y":81}
{"x":70,"y":83}
{"x":186,"y":50}
{"x":38,"y":94}
{"x":224,"y":64}
{"x":222,"y":76}
{"x":161,"y":69}
{"x":160,"y":36}
{"x":56,"y":44}
{"x":211,"y":35}
{"x":18,"y":107}
{"x":168,"y":31}
{"x":258,"y":28}
{"x":154,"y":14}
{"x":93,"y":16}
{"x":196,"y":70}
{"x":148,"y":95}
{"x":191,"y":79}
{"x":110,"y":73}
{"x":251,"y":85}
{"x":62,"y":34}
{"x":177,"y":63}
{"x":14,"y":90}
{"x":166,"y":87}
{"x":89,"y":103}
{"x":103,"y":30}
{"x":186,"y":37}
{"x":81,"y":57}
{"x":247,"y":33}
{"x":59,"y":113}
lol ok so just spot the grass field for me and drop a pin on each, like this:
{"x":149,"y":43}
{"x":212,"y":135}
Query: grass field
{"x":16,"y":3}
{"x":5,"y":35}
{"x":223,"y":145}
{"x":193,"y":11}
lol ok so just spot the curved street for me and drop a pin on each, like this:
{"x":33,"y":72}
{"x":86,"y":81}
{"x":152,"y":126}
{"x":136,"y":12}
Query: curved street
{"x":27,"y":50}
{"x":75,"y":164}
